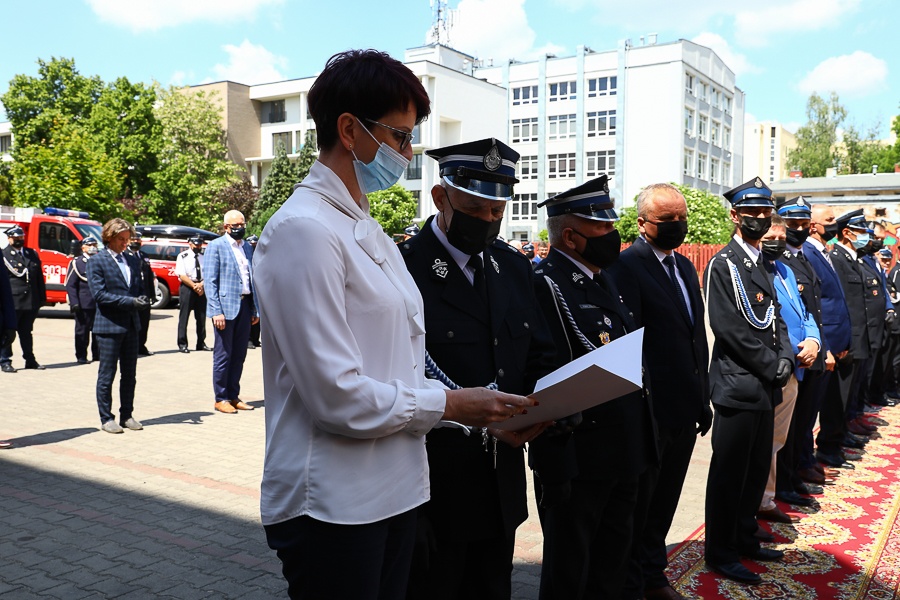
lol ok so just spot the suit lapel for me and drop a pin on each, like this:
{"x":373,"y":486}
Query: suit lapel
{"x":661,"y":275}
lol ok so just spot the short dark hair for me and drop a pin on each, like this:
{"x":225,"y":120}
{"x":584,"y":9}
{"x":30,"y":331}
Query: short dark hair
{"x":368,"y":84}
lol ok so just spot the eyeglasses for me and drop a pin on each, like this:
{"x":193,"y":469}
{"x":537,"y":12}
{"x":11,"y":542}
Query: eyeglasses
{"x":403,"y":138}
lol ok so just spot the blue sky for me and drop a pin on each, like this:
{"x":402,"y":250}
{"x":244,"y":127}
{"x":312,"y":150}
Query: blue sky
{"x":781,"y":50}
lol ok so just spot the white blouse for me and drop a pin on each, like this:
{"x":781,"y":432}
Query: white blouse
{"x":347,"y":402}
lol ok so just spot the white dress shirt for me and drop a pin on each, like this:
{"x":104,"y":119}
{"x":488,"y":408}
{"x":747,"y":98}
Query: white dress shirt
{"x":122,"y":264}
{"x":243,"y":264}
{"x":347,"y":402}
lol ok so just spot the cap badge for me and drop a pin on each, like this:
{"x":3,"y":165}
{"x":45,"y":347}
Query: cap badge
{"x":492,"y":159}
{"x":607,"y":321}
{"x":801,"y":202}
{"x":496,"y":266}
{"x":440,"y":268}
{"x":604,"y":337}
{"x":758,"y":183}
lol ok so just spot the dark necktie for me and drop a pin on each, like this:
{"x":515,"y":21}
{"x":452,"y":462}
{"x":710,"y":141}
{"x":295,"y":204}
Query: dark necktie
{"x":669,"y":261}
{"x":197,"y":263}
{"x":477,"y":266}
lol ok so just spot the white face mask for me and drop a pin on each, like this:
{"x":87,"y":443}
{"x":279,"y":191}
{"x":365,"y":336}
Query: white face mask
{"x":384,"y":170}
{"x":90,"y":250}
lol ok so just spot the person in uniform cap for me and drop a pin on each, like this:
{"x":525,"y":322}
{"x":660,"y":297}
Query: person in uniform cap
{"x":528,"y":251}
{"x":26,"y":277}
{"x":587,"y":481}
{"x":81,"y":301}
{"x":191,"y":299}
{"x":874,"y":396}
{"x":148,"y":286}
{"x":482,"y":326}
{"x":752,"y":359}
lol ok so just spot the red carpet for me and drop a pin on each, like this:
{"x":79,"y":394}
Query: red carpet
{"x":846,"y":547}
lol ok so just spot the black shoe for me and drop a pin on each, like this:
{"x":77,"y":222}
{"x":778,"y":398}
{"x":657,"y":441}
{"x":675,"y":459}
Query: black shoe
{"x":833,"y":460}
{"x":793,"y":498}
{"x":183,"y":349}
{"x":735,"y":571}
{"x":203,"y":348}
{"x":34,"y":365}
{"x":851,"y":441}
{"x":7,"y":368}
{"x":809,"y":489}
{"x":763,"y":535}
{"x":83,"y":361}
{"x":144,"y":352}
{"x":765,"y":554}
{"x":251,"y":345}
{"x":880,"y":402}
{"x":852,"y":456}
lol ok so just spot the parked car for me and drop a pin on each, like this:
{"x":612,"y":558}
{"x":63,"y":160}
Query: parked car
{"x":174,"y":232}
{"x":162,"y":254}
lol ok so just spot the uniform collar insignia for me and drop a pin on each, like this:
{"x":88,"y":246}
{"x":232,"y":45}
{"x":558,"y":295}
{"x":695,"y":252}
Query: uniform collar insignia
{"x":787,"y":254}
{"x":576,"y":277}
{"x":440,"y":268}
{"x":748,"y":263}
{"x":496,"y":266}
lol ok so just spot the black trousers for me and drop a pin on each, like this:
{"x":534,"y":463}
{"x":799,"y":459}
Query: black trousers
{"x":789,"y":457}
{"x":84,"y":322}
{"x":325,"y":561}
{"x":832,"y":421}
{"x":742,"y":455}
{"x":24,"y":325}
{"x":145,"y":326}
{"x":254,"y":334}
{"x":190,"y":302}
{"x":658,"y":495}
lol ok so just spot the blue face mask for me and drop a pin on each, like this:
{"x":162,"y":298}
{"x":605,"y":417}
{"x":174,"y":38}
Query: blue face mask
{"x":861,"y":240}
{"x":384,"y":170}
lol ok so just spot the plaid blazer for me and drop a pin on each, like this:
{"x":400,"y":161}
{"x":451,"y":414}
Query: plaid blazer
{"x":115,"y":309}
{"x":222,"y":279}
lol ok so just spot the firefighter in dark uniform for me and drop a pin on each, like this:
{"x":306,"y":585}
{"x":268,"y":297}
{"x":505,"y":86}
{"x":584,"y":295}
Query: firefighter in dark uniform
{"x":885,"y":256}
{"x":752,"y":359}
{"x":483,"y":326}
{"x":81,"y":301}
{"x":191,"y":299}
{"x":148,"y":287}
{"x":587,"y":481}
{"x":26,"y":277}
{"x":882,"y":319}
{"x":254,"y":328}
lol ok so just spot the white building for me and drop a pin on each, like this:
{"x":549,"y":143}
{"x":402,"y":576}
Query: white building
{"x":765,"y":150}
{"x":5,"y":141}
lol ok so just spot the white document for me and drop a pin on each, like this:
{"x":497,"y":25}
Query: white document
{"x":607,"y":373}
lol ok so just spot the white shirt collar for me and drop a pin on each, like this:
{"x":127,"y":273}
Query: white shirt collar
{"x":579,"y":264}
{"x":752,"y":252}
{"x":660,"y":255}
{"x":816,"y":244}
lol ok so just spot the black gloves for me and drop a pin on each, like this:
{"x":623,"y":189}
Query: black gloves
{"x":75,"y":308}
{"x":783,"y":372}
{"x":141,"y":303}
{"x":7,"y":337}
{"x":555,"y":495}
{"x":705,"y":421}
{"x":889,"y":317}
{"x":564,"y":425}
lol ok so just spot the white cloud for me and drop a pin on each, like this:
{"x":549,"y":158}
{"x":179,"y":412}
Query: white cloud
{"x":792,"y":126}
{"x":851,"y":75}
{"x":735,"y":61}
{"x":754,"y":27}
{"x":250,"y":64}
{"x":150,"y":15}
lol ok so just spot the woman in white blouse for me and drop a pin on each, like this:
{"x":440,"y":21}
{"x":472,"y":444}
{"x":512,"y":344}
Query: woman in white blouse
{"x":347,"y":402}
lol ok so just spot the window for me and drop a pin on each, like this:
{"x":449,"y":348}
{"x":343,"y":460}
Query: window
{"x":703,"y":127}
{"x":715,"y":135}
{"x":524,"y":130}
{"x":561,"y":127}
{"x":524,"y":207}
{"x":726,"y":138}
{"x":689,"y":81}
{"x":528,"y":167}
{"x":298,"y":141}
{"x":714,"y":170}
{"x":726,"y":104}
{"x":602,"y":86}
{"x":601,"y":122}
{"x":716,"y":98}
{"x":726,"y":174}
{"x":600,"y":162}
{"x":564,"y":90}
{"x":561,"y":165}
{"x":525,"y":95}
{"x":688,"y":162}
{"x":701,"y":166}
{"x":5,"y":143}
{"x":281,"y":138}
{"x":56,"y":237}
{"x":688,"y":121}
{"x":414,"y":168}
{"x":704,"y":92}
{"x":273,"y":112}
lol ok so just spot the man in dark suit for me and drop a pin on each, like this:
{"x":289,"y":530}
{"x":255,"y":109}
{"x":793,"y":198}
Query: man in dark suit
{"x":662,"y":290}
{"x":483,"y":326}
{"x":26,"y":278}
{"x":114,"y":276}
{"x":587,"y":482}
{"x":81,"y":302}
{"x":148,"y":288}
{"x":7,"y":324}
{"x":752,"y":359}
{"x":873,"y":395}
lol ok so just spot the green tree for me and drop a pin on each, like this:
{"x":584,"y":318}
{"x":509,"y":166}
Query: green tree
{"x":708,"y":220}
{"x":240,"y":195}
{"x":193,"y":165}
{"x":59,"y":93}
{"x":6,"y":188}
{"x":816,"y":151}
{"x":276,"y":188}
{"x":307,"y":156}
{"x":862,"y":153}
{"x":67,"y":172}
{"x":393,"y":208}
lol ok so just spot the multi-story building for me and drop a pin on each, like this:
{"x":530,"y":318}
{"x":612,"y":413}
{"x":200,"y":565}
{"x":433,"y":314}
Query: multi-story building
{"x":5,"y":141}
{"x":766,"y":145}
{"x":877,"y":193}
{"x":641,"y":114}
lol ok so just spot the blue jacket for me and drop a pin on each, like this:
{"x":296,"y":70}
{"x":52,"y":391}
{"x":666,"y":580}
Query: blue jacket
{"x":835,"y":314}
{"x":116,"y":312}
{"x":800,"y":323}
{"x":222,"y":279}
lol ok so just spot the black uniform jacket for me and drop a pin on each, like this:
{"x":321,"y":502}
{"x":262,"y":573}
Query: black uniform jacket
{"x":617,"y":438}
{"x":877,"y":302}
{"x":744,"y":358}
{"x":811,"y":292}
{"x":148,"y":279}
{"x":474,"y":344}
{"x":77,"y":288}
{"x":676,"y":351}
{"x":852,"y":277}
{"x":26,"y":277}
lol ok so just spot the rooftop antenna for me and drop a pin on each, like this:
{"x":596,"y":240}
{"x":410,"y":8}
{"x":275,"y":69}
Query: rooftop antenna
{"x":441,"y":22}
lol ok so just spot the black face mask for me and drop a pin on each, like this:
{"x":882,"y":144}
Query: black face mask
{"x":471,"y":235}
{"x":772,"y":249}
{"x":18,"y":243}
{"x":796,"y":237}
{"x":237,"y":233}
{"x":530,"y":255}
{"x":134,"y":246}
{"x":831,"y":231}
{"x":877,"y":245}
{"x":753,"y":228}
{"x":669,"y":234}
{"x":603,"y":250}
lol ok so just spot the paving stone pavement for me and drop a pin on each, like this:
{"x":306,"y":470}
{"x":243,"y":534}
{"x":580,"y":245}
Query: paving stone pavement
{"x":168,"y":512}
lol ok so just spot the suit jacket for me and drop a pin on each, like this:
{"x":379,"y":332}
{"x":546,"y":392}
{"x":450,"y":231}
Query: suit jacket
{"x":7,"y":304}
{"x":148,"y":279}
{"x":676,"y":352}
{"x":222,"y":279}
{"x":811,"y":294}
{"x":878,"y":301}
{"x":474,"y":344}
{"x":836,"y":327}
{"x":114,"y":296}
{"x":852,"y":278}
{"x":617,"y":438}
{"x":744,"y":358}
{"x":77,"y":289}
{"x":799,"y":322}
{"x":26,"y":278}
